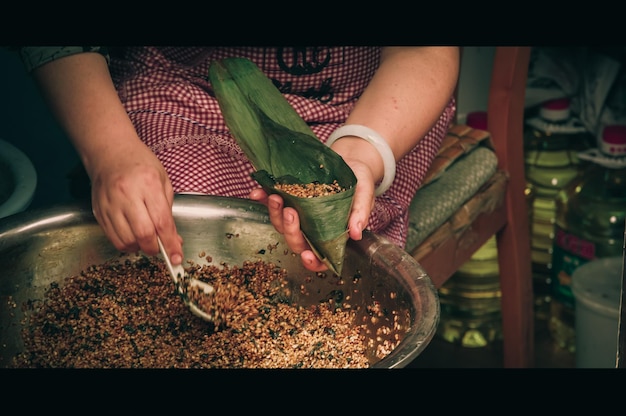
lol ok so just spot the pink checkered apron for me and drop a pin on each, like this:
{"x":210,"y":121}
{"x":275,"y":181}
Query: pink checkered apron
{"x":169,"y":99}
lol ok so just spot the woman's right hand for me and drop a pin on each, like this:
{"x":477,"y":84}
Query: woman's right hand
{"x":131,"y":192}
{"x":132,"y":201}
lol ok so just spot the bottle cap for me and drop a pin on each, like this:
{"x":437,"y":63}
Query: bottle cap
{"x":611,"y":150}
{"x":477,"y":120}
{"x":613,"y":141}
{"x":555,"y":110}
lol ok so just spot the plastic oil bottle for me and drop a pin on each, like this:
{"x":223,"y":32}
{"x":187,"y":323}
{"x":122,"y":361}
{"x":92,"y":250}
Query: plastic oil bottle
{"x":470,"y":299}
{"x":590,"y":222}
{"x":552,"y":140}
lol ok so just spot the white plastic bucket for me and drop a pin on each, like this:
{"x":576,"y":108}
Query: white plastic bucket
{"x":18,"y":180}
{"x":597,"y":287}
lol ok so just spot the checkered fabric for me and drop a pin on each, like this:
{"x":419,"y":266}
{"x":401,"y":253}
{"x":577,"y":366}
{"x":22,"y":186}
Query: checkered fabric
{"x":167,"y":94}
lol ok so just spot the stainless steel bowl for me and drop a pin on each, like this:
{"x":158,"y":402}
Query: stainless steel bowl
{"x":39,"y":247}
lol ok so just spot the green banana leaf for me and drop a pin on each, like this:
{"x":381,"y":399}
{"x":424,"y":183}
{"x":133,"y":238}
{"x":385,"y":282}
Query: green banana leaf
{"x":283,"y":149}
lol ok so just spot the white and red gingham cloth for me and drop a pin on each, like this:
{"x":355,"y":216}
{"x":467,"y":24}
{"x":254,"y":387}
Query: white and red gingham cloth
{"x":167,"y":94}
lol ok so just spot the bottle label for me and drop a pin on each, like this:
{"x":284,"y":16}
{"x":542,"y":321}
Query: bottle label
{"x":571,"y":126}
{"x":570,"y":252}
{"x":600,"y":158}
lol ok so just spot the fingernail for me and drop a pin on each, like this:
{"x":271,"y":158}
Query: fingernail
{"x":274,"y":204}
{"x":176,"y":259}
{"x":289,"y":218}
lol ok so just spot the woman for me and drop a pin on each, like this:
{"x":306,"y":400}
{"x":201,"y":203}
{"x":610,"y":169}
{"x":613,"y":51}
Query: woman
{"x":146,"y":126}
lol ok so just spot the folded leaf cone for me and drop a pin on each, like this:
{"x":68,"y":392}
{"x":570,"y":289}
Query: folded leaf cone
{"x":284,"y":150}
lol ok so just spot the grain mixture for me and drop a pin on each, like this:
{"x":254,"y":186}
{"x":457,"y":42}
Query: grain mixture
{"x":127,"y":314}
{"x":310,"y":190}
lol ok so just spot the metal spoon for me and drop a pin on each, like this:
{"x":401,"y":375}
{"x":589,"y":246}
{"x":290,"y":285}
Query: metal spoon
{"x":183,"y":282}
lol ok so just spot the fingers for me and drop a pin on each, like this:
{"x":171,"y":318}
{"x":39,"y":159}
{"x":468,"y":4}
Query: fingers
{"x":291,"y":231}
{"x":114,"y":223}
{"x":275,"y":207}
{"x":259,"y":195}
{"x":159,"y":207}
{"x":289,"y":222}
{"x":286,"y":221}
{"x":311,"y":262}
{"x":362,"y":206}
{"x":132,"y":212}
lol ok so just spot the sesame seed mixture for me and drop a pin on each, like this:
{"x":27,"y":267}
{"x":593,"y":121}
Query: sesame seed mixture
{"x":127,"y":314}
{"x":310,"y":190}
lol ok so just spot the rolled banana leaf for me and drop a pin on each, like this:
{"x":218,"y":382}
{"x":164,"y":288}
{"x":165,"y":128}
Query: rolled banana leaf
{"x":284,"y":150}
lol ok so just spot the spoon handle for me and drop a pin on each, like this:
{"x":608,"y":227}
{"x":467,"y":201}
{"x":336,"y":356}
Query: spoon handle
{"x":177,"y":272}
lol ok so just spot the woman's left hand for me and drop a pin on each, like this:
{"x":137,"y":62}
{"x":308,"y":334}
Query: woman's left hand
{"x":287,"y":222}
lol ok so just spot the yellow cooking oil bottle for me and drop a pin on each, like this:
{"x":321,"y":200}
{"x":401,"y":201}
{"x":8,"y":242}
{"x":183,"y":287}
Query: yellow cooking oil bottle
{"x":470,"y":299}
{"x":590,"y":223}
{"x":553,"y":137}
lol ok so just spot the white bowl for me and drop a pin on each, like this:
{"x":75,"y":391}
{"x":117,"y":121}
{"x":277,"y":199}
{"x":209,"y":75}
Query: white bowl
{"x":18,"y":180}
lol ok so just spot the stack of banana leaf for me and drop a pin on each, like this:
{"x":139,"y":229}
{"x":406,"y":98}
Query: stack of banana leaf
{"x":284,"y":150}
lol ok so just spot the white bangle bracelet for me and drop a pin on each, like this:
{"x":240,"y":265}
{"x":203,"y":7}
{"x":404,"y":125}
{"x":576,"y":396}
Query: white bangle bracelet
{"x":365,"y":133}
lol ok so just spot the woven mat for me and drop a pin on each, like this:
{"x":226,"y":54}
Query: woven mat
{"x":458,"y":188}
{"x":487,"y":199}
{"x":460,"y":140}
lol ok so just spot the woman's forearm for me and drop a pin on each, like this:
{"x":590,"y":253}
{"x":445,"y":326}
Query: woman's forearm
{"x":403,"y":100}
{"x":408,"y":94}
{"x":81,"y":94}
